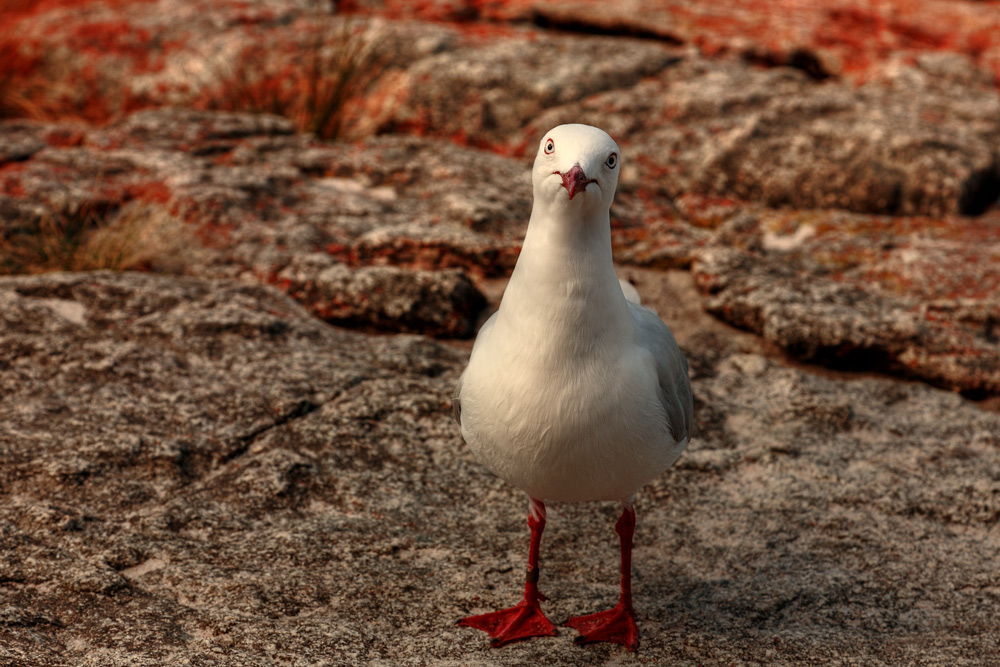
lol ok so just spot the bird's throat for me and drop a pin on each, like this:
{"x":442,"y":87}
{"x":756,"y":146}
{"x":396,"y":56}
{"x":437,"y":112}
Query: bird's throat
{"x":567,"y":292}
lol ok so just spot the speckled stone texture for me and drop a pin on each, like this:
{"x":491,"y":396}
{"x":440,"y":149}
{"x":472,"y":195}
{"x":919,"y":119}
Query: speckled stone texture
{"x":200,"y":471}
{"x":435,"y":303}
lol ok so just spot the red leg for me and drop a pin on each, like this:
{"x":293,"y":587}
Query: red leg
{"x":618,"y":623}
{"x":525,"y":619}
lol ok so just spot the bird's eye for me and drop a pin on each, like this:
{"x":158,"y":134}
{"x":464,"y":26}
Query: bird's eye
{"x":612,"y":161}
{"x":549,"y":146}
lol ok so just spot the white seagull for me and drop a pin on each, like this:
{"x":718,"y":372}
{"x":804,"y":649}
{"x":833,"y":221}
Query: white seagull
{"x":573,"y":392}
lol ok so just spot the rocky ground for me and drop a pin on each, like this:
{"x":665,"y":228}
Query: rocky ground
{"x":240,"y":451}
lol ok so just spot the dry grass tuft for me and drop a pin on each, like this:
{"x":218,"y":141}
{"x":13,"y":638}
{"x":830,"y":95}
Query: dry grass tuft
{"x":312,"y":89}
{"x":140,"y":237}
{"x":312,"y":85}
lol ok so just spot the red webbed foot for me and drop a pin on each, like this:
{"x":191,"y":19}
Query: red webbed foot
{"x":616,"y":625}
{"x":510,"y":625}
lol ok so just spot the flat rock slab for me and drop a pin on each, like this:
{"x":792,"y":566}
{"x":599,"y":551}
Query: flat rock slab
{"x":264,"y":204}
{"x":864,"y":292}
{"x":197,"y":470}
{"x":257,"y":200}
{"x":444,"y":304}
{"x":848,"y":38}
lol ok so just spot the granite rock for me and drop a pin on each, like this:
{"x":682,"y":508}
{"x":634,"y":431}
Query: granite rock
{"x":198,"y":470}
{"x":845,"y":39}
{"x":484,"y":94}
{"x":897,"y":145}
{"x":864,"y":293}
{"x":435,"y":303}
{"x":259,"y":198}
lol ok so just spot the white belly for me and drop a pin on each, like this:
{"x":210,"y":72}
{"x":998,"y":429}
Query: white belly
{"x":591,"y":429}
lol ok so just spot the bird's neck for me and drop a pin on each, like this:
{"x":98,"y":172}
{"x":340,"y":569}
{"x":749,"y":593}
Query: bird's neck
{"x":564,"y":285}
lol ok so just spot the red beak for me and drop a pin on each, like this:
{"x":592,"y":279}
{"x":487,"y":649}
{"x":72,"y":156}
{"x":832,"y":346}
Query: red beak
{"x":575,"y":180}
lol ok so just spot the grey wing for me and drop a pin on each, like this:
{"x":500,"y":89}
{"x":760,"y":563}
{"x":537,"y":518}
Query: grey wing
{"x":456,"y":396}
{"x":671,"y":369}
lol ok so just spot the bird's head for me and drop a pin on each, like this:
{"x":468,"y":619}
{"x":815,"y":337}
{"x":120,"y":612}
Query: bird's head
{"x":576,"y":168}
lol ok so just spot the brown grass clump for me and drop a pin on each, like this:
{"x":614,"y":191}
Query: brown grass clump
{"x":311,"y":88}
{"x":142,"y":236}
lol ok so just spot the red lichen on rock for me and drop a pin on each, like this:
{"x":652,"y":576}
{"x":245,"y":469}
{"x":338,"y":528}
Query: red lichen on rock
{"x":54,"y":72}
{"x":488,"y":261}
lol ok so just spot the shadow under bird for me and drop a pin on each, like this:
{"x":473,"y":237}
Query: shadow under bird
{"x":573,"y":392}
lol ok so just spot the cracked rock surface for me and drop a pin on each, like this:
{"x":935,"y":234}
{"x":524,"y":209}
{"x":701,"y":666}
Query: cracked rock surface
{"x":198,"y":470}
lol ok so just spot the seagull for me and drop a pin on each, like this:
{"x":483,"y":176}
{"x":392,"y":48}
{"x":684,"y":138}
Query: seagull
{"x":574,"y":391}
